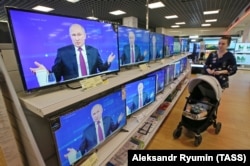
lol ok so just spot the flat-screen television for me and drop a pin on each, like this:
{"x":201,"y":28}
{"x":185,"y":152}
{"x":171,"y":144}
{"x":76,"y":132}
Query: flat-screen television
{"x":177,"y":45}
{"x":140,"y":93}
{"x":169,"y":74}
{"x":156,"y":46}
{"x":133,"y":45}
{"x":184,"y":45}
{"x":160,"y":80}
{"x":242,"y":48}
{"x":47,"y":47}
{"x":168,"y":45}
{"x":177,"y":69}
{"x":83,"y":128}
{"x":191,"y":47}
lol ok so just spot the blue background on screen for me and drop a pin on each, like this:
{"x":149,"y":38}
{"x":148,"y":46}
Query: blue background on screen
{"x":149,"y":88}
{"x":141,"y":39}
{"x":159,"y":43}
{"x":169,"y":45}
{"x":161,"y":80}
{"x":38,"y":36}
{"x":73,"y":124}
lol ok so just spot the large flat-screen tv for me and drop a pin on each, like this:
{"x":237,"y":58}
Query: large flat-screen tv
{"x":160,"y":80}
{"x":133,"y":45}
{"x":47,"y":47}
{"x":83,"y":128}
{"x":140,"y":93}
{"x":156,"y":46}
{"x":168,"y":45}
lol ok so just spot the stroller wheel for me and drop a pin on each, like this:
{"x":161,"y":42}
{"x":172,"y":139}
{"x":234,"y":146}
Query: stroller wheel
{"x":197,"y":140}
{"x":177,"y":133}
{"x":217,"y":128}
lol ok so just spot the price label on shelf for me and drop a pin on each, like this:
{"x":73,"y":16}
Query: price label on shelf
{"x":144,"y":67}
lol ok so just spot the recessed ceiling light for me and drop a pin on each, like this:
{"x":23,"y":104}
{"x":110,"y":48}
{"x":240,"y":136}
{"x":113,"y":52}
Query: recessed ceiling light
{"x":155,"y":5}
{"x":175,"y":26}
{"x":171,"y":17}
{"x":194,"y":37}
{"x":43,"y":8}
{"x":117,"y":12}
{"x":180,"y":23}
{"x":73,"y":1}
{"x":205,"y":25}
{"x":92,"y":18}
{"x":212,"y":20}
{"x":211,"y":12}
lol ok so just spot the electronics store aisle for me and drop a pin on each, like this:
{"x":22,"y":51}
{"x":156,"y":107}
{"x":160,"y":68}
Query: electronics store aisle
{"x":233,"y":113}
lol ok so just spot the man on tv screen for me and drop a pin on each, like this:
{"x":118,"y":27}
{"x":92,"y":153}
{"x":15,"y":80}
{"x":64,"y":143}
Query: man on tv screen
{"x":131,"y":51}
{"x":95,"y":133}
{"x":140,"y":99}
{"x":155,"y":52}
{"x":77,"y":59}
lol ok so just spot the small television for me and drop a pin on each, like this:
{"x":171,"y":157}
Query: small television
{"x":133,"y":45}
{"x":46,"y":47}
{"x":171,"y":72}
{"x":156,"y":46}
{"x":140,"y":93}
{"x":177,"y":46}
{"x":183,"y":63}
{"x":177,"y":69}
{"x":76,"y":132}
{"x":168,"y":45}
{"x":166,"y":70}
{"x":242,"y":48}
{"x":160,"y":80}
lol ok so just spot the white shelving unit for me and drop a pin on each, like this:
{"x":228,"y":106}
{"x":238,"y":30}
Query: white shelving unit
{"x":49,"y":102}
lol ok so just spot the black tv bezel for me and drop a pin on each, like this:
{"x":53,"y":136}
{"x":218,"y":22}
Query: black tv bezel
{"x":81,"y":104}
{"x":164,"y":73}
{"x":19,"y":62}
{"x":139,"y":79}
{"x":119,"y":47}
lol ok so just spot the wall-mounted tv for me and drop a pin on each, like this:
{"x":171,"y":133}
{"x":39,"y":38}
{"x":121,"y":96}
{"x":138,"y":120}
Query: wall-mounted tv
{"x":156,"y":46}
{"x":160,"y":80}
{"x":82,"y":129}
{"x":48,"y":47}
{"x":168,"y":46}
{"x":133,"y":45}
{"x":140,"y":93}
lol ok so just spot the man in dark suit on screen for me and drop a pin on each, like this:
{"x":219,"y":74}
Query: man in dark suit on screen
{"x":95,"y":133}
{"x":78,"y":59}
{"x":131,"y":52}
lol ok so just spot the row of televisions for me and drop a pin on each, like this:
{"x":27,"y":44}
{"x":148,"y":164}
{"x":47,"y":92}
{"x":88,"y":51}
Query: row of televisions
{"x":38,"y":36}
{"x":73,"y":129}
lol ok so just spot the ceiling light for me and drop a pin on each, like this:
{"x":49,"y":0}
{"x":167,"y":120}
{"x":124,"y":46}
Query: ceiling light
{"x":194,"y":37}
{"x":205,"y":25}
{"x":43,"y":8}
{"x":171,"y":17}
{"x":117,"y":12}
{"x":73,"y":1}
{"x":155,"y":5}
{"x":175,"y":26}
{"x":193,"y":40}
{"x":180,"y":23}
{"x":211,"y":12}
{"x":92,"y":18}
{"x":212,"y":20}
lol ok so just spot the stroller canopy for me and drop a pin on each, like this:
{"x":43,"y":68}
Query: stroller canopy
{"x":212,"y":81}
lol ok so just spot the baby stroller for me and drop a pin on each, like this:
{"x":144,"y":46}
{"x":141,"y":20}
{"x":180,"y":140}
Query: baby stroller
{"x":203,"y":86}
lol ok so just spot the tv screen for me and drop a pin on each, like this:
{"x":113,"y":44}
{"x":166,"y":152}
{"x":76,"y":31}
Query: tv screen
{"x":160,"y":80}
{"x":184,"y":45}
{"x":191,"y":47}
{"x":177,"y":46}
{"x":133,"y":45}
{"x":168,"y":46}
{"x":171,"y":72}
{"x":156,"y":46}
{"x":55,"y":49}
{"x":140,"y":93}
{"x":4,"y":33}
{"x":82,"y":130}
{"x":177,"y":69}
{"x":183,"y":62}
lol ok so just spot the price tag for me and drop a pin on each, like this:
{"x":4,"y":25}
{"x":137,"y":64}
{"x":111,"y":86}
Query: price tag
{"x":98,"y":80}
{"x":90,"y":161}
{"x":87,"y":83}
{"x":144,"y":67}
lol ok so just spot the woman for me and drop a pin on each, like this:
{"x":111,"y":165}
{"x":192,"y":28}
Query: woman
{"x":221,"y":63}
